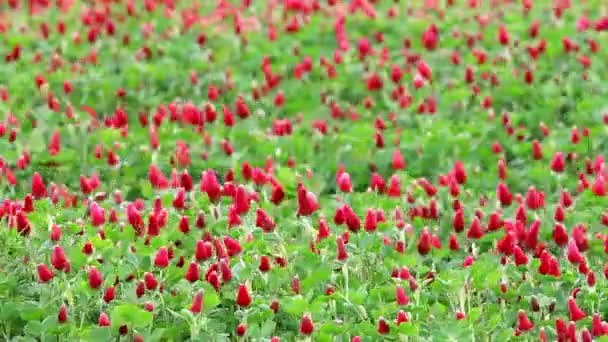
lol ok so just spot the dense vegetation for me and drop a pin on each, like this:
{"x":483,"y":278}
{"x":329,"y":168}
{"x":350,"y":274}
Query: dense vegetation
{"x":327,"y":170}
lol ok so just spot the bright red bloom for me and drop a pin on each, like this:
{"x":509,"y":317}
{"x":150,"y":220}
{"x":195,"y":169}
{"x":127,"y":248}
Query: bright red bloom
{"x":504,"y":194}
{"x":344,"y":182}
{"x":503,"y":35}
{"x":95,"y":278}
{"x":307,"y":201}
{"x":264,"y":264}
{"x":574,"y":311}
{"x":233,"y":246}
{"x":109,"y":294}
{"x":104,"y":320}
{"x":475,"y":230}
{"x":210,"y":185}
{"x":44,"y":273}
{"x":197,"y":303}
{"x":162,"y":258}
{"x":520,"y":257}
{"x":424,"y":70}
{"x":62,"y":317}
{"x":241,"y":329}
{"x":38,"y":186}
{"x":401,"y":296}
{"x":341,"y":247}
{"x":574,"y":255}
{"x":383,"y":328}
{"x":97,"y":214}
{"x":203,"y":250}
{"x":558,"y":164}
{"x":58,"y":258}
{"x":242,"y":297}
{"x":150,"y":281}
{"x":523,"y":322}
{"x":192,"y":273}
{"x":306,"y":325}
{"x":394,"y":187}
{"x":458,"y":221}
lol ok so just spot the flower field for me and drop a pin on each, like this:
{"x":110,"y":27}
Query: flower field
{"x":303,"y":170}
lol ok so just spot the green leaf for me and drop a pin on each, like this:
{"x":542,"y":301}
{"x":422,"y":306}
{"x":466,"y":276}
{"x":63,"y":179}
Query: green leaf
{"x":210,"y":298}
{"x":131,"y":315}
{"x":101,"y":334}
{"x":295,"y":306}
{"x":408,"y":328}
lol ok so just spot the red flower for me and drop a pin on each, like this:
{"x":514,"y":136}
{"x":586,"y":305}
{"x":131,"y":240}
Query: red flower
{"x":241,"y":329}
{"x":242,"y":297}
{"x":95,"y":278}
{"x":306,"y":325}
{"x":277,"y":194}
{"x":62,"y":317}
{"x":109,"y":294}
{"x":307,"y":201}
{"x":424,"y":70}
{"x":56,"y":232}
{"x":599,"y":186}
{"x":371,"y":222}
{"x":394,"y":187}
{"x":162,"y":258}
{"x":58,"y":258}
{"x":210,"y":185}
{"x":192,"y":273}
{"x":150,"y":280}
{"x":520,"y":257}
{"x":264,"y":264}
{"x":324,"y":231}
{"x":383,"y":327}
{"x":44,"y":273}
{"x":596,"y":325}
{"x":424,"y":242}
{"x":104,"y":320}
{"x":295,"y":285}
{"x":558,"y":164}
{"x":264,"y":221}
{"x":401,"y":317}
{"x":225,"y":270}
{"x":453,"y":242}
{"x":574,"y":255}
{"x":398,"y":160}
{"x":523,"y":322}
{"x":374,"y":82}
{"x":232,"y":246}
{"x":401,"y":296}
{"x":468,"y":261}
{"x":97,"y":214}
{"x":377,"y":183}
{"x":197,"y":303}
{"x":38,"y":186}
{"x":213,"y":279}
{"x":560,"y":235}
{"x":475,"y":231}
{"x":504,"y":194}
{"x":458,"y":221}
{"x":55,"y":143}
{"x":241,"y":200}
{"x":430,"y":37}
{"x":574,"y":311}
{"x":203,"y":250}
{"x":342,"y":254}
{"x":503,"y":35}
{"x":344,"y":182}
